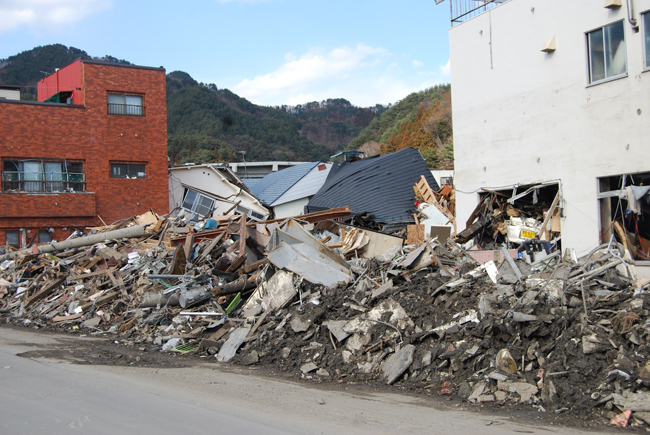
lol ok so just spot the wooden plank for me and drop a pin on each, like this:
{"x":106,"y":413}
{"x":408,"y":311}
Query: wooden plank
{"x":414,"y":234}
{"x":242,"y":235}
{"x":90,"y":275}
{"x":46,"y":290}
{"x":100,"y":301}
{"x":549,"y":215}
{"x":57,"y":319}
{"x":235,"y":265}
{"x":189,"y":241}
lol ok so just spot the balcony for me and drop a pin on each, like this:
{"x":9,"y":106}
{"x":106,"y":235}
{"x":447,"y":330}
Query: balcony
{"x":463,"y":10}
{"x":43,"y":181}
{"x":126,"y":109}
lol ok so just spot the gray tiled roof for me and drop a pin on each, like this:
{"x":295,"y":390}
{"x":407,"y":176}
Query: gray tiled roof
{"x":381,"y":186}
{"x":271,"y":187}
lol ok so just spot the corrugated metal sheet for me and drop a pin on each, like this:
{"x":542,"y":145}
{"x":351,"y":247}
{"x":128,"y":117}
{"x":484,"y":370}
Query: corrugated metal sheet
{"x":274,"y":185}
{"x":307,"y":185}
{"x":381,"y":186}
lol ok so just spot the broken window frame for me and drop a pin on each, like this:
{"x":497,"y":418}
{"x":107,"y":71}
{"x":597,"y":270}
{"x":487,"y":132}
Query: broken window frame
{"x":613,"y":208}
{"x":199,"y":204}
{"x":41,"y":175}
{"x":604,"y":35}
{"x":130,"y":170}
{"x":511,"y":195}
{"x":252,"y":214}
{"x":125,"y":104}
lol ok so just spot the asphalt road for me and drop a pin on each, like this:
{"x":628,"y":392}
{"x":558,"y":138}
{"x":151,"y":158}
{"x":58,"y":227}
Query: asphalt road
{"x":44,"y":396}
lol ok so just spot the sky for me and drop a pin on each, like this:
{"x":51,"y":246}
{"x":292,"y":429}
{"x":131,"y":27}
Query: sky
{"x":271,"y":52}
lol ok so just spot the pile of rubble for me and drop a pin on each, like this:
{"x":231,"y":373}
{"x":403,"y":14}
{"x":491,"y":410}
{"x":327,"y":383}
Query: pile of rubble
{"x":330,"y":302}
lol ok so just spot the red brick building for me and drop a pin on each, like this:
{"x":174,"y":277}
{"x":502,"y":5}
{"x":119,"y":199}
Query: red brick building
{"x":93,"y":149}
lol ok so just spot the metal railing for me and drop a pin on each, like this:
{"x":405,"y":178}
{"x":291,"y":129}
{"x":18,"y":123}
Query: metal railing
{"x":125,"y":109}
{"x":463,"y":10}
{"x":43,"y":181}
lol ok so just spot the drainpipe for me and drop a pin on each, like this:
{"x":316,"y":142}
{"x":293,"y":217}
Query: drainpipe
{"x":630,"y":18}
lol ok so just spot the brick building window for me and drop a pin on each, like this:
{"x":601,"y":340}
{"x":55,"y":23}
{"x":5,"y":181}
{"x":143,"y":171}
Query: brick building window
{"x":44,"y":237}
{"x":125,"y":104}
{"x":12,"y":238}
{"x":36,"y":175}
{"x":128,"y":170}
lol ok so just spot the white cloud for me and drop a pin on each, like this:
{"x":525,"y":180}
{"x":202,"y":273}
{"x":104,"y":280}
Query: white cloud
{"x":417,"y":63}
{"x":445,"y":70}
{"x":362,"y":74}
{"x":46,"y":14}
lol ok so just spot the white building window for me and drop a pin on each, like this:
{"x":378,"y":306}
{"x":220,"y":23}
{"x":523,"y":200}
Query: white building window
{"x":197,"y":203}
{"x":646,"y":38}
{"x":606,"y":47}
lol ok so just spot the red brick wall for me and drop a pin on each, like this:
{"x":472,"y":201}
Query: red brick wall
{"x":90,"y":135}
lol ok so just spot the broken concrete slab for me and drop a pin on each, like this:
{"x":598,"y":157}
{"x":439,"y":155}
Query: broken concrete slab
{"x":397,"y":363}
{"x":309,"y":367}
{"x":229,"y":348}
{"x":336,"y":328}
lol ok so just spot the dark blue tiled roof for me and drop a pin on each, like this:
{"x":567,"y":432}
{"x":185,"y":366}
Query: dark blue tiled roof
{"x":271,"y":187}
{"x":381,"y":186}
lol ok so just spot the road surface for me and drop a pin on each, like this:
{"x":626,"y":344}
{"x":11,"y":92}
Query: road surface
{"x":47,"y":396}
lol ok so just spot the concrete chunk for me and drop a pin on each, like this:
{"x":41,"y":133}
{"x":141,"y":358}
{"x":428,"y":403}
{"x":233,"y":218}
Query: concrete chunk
{"x":397,"y":363}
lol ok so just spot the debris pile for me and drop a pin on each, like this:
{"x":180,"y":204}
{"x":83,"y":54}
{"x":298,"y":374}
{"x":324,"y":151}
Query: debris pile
{"x":331,"y":302}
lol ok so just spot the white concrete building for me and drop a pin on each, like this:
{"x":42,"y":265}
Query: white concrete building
{"x":553,"y":91}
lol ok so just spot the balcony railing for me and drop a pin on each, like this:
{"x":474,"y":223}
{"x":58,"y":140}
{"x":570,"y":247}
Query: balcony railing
{"x":463,"y":10}
{"x":43,"y":181}
{"x":125,"y":109}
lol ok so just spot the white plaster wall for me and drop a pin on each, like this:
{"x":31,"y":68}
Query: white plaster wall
{"x":522,"y":116}
{"x":289,"y":209}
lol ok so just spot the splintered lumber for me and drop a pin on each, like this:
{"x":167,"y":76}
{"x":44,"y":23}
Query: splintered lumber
{"x":313,"y":218}
{"x":46,"y":290}
{"x":424,"y":191}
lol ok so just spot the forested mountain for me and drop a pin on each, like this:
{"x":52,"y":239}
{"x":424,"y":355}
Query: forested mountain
{"x":207,"y":124}
{"x":422,"y":120}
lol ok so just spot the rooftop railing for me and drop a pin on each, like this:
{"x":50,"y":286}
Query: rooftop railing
{"x":463,"y":10}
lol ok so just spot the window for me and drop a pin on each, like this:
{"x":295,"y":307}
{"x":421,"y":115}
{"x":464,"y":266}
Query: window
{"x":13,"y":238}
{"x":128,"y":170}
{"x":197,"y":203}
{"x":43,"y":176}
{"x":646,"y":38}
{"x":125,"y":105}
{"x":250,"y":213}
{"x":44,"y":237}
{"x":607,"y":56}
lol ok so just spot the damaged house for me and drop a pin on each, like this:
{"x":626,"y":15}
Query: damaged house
{"x":289,"y":190}
{"x":551,"y":101}
{"x":86,"y":153}
{"x":211,"y":190}
{"x":378,"y":190}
